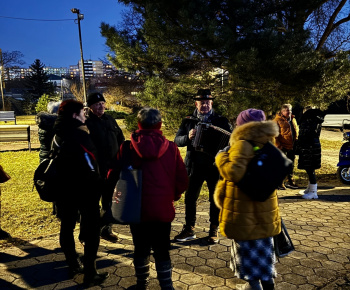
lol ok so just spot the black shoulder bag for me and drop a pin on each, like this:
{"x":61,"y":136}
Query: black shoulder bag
{"x":265,"y":172}
{"x":45,"y":177}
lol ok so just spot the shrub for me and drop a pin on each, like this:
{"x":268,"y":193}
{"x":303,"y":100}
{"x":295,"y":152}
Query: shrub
{"x":117,"y":115}
{"x":131,"y":122}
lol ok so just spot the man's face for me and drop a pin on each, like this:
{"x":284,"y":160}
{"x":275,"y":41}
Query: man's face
{"x":204,"y":106}
{"x":98,"y":108}
{"x":286,"y":112}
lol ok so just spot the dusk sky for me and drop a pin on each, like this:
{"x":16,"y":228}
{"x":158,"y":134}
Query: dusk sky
{"x":56,"y":43}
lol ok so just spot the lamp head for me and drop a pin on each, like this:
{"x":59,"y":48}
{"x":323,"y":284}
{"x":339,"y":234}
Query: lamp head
{"x":75,"y":10}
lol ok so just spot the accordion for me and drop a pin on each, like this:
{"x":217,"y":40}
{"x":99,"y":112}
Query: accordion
{"x":210,"y":139}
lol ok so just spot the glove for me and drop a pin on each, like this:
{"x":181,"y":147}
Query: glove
{"x":224,"y":150}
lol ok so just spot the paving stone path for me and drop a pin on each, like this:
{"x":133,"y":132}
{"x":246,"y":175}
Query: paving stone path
{"x":320,"y":230}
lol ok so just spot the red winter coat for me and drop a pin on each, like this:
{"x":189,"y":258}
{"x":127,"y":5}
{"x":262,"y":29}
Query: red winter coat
{"x":164,"y":176}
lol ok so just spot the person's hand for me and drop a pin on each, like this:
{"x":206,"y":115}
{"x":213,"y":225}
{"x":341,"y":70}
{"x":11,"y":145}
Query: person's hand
{"x":224,"y":150}
{"x":192,"y":133}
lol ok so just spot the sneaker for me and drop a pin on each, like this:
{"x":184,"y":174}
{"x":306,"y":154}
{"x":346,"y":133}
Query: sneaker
{"x":292,"y":185}
{"x":186,"y":234}
{"x":213,"y":235}
{"x":310,"y":195}
{"x":108,"y":234}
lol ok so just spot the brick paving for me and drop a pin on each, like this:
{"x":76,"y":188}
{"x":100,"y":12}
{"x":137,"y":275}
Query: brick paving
{"x":320,"y":230}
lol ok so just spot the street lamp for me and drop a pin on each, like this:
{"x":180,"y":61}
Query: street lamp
{"x":81,"y":17}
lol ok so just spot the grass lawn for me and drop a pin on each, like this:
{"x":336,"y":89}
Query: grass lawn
{"x":26,"y":217}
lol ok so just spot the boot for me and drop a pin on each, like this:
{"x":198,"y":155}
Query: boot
{"x":142,"y":273}
{"x":75,"y":266}
{"x":312,"y":194}
{"x":91,"y":276}
{"x":267,"y":285}
{"x":108,"y":234}
{"x":291,"y":184}
{"x":213,"y":235}
{"x":302,"y":192}
{"x":164,"y":273}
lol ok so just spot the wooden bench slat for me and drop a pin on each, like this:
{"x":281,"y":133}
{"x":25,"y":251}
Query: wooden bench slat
{"x":14,"y":133}
{"x":7,"y":116}
{"x":335,"y":120}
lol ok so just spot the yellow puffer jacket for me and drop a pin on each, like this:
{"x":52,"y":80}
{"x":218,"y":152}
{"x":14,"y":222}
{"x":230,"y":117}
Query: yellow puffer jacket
{"x":285,"y":138}
{"x":241,"y":218}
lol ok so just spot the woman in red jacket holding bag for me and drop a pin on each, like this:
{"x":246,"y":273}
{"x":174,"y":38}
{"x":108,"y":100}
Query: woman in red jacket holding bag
{"x":164,"y":179}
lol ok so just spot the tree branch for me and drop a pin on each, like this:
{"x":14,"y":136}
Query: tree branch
{"x":331,"y":26}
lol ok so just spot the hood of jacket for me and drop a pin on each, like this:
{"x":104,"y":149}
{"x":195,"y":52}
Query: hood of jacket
{"x":149,"y":144}
{"x":259,"y":132}
{"x":45,"y":120}
{"x":313,"y":115}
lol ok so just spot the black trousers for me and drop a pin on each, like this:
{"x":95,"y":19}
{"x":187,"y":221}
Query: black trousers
{"x":312,"y":175}
{"x":291,"y":155}
{"x":68,"y":211}
{"x":198,"y":176}
{"x":149,"y":236}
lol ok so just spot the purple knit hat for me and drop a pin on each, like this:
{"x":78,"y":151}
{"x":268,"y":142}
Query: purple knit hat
{"x":250,"y":115}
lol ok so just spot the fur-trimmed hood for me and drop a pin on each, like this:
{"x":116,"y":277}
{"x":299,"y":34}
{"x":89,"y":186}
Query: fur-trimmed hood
{"x":45,"y":121}
{"x":260,"y":132}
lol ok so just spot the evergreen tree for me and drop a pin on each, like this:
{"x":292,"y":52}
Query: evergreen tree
{"x":272,"y":51}
{"x":37,"y":81}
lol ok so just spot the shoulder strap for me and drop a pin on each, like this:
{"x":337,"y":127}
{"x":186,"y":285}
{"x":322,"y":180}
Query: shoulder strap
{"x":55,"y":147}
{"x":126,"y":154}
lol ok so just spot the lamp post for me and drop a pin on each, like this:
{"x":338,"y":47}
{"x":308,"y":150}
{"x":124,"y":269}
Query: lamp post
{"x":81,"y":17}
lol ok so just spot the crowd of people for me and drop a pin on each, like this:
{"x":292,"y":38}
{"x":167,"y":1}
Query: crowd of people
{"x":90,"y":147}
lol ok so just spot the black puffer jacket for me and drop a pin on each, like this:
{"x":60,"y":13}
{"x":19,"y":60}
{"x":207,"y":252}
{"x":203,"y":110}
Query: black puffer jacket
{"x":76,"y":162}
{"x":195,"y":158}
{"x":45,"y":123}
{"x":107,"y":138}
{"x":308,"y":146}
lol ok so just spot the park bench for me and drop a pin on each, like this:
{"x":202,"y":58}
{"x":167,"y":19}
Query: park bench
{"x":7,"y":116}
{"x":335,"y":120}
{"x":15,"y":133}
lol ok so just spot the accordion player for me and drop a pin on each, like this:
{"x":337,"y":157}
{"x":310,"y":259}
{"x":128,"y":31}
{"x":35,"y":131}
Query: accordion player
{"x":210,"y":139}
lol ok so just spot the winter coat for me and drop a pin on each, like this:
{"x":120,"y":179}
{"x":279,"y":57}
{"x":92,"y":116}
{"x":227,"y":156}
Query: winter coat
{"x":195,"y":159}
{"x":107,"y":137}
{"x":285,"y":139}
{"x":164,"y":176}
{"x":241,"y":218}
{"x":76,"y":162}
{"x":45,"y":123}
{"x":308,"y":146}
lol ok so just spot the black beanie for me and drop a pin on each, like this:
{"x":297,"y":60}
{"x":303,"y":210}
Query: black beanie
{"x":94,"y":98}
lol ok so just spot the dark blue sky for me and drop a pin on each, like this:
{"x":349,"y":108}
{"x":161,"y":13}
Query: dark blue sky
{"x":56,"y":43}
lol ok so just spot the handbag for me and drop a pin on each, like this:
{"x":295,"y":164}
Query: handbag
{"x":126,"y":199}
{"x":45,"y":177}
{"x":265,"y":172}
{"x":282,"y":242}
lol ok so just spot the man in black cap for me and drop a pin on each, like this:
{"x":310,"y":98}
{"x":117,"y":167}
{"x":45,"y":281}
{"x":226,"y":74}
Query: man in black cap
{"x":107,"y":137}
{"x":200,"y":165}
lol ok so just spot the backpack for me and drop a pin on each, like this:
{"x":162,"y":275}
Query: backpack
{"x":265,"y":172}
{"x":45,"y":177}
